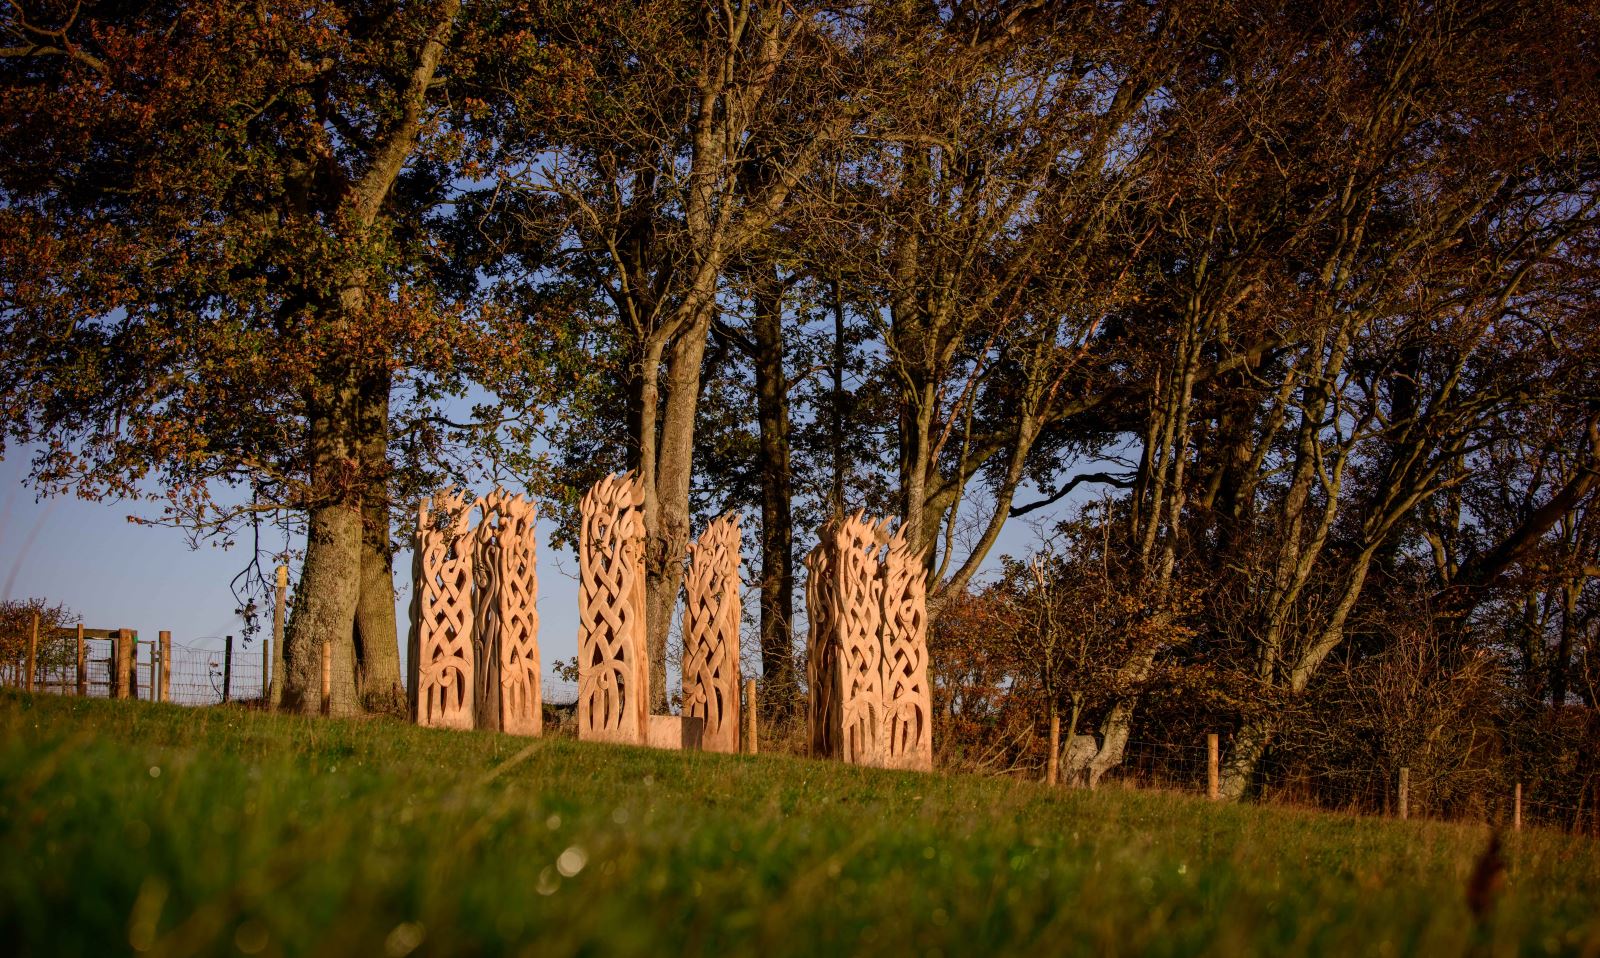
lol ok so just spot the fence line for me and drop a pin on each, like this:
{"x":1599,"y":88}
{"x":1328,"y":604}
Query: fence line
{"x":201,"y":677}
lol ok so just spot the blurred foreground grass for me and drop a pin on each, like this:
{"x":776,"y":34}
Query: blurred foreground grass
{"x":177,"y":831}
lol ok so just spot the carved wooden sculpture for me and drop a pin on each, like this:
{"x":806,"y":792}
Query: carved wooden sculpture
{"x":442,"y":658}
{"x":508,"y":683}
{"x":613,"y":664}
{"x":844,"y":663}
{"x":822,"y":651}
{"x":859,"y":615}
{"x":711,"y":618}
{"x":907,"y":708}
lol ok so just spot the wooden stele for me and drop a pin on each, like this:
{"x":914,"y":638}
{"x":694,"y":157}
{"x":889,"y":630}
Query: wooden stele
{"x":520,"y":695}
{"x":822,"y":652}
{"x":844,"y":664}
{"x":711,"y":618}
{"x":907,"y":706}
{"x":442,"y":658}
{"x":613,"y":662}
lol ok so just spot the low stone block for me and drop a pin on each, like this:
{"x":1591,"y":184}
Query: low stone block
{"x":676,"y":732}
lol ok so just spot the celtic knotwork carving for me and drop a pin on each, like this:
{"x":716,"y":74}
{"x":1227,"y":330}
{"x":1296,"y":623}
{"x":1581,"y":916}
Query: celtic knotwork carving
{"x":474,"y":647}
{"x":486,"y":622}
{"x":859,"y":616}
{"x":711,"y":619}
{"x":613,"y":668}
{"x":845,"y":660}
{"x":907,"y":709}
{"x":822,"y":652}
{"x":442,"y":663}
{"x":520,"y":695}
{"x":506,"y":643}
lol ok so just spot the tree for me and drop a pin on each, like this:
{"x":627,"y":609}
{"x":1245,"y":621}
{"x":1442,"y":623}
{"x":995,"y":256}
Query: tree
{"x":222,"y":280}
{"x":54,"y":653}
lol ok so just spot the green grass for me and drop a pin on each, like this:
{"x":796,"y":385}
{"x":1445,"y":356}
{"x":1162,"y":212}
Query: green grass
{"x":210,"y":831}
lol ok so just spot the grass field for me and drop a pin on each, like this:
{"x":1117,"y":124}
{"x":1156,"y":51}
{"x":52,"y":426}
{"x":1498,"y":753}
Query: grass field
{"x":176,"y":831}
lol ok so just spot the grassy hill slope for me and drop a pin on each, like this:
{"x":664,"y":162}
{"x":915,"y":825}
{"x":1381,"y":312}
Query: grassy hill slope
{"x":205,"y":831}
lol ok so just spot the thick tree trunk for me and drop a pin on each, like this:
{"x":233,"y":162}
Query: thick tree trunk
{"x":330,"y":582}
{"x":668,"y":536}
{"x":377,"y":645}
{"x":324,"y":609}
{"x":777,"y":520}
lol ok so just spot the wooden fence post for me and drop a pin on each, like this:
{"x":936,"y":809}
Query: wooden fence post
{"x":1516,"y":808}
{"x":266,"y":669}
{"x":122,"y":663}
{"x":1052,"y":764}
{"x":274,"y":692}
{"x":750,"y":716}
{"x":133,"y":663}
{"x":166,"y":666}
{"x":1213,"y":768}
{"x":156,"y":691}
{"x":33,"y":651}
{"x":227,"y":670}
{"x":327,"y":678}
{"x":83,"y":670}
{"x":1405,"y":793}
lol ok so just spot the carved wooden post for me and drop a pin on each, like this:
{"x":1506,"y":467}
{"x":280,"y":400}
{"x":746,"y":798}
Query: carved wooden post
{"x":711,"y":619}
{"x":1516,"y":808}
{"x":860,"y":616}
{"x":506,"y":616}
{"x":907,"y":704}
{"x":845,"y":661}
{"x":613,"y":663}
{"x":485,"y":545}
{"x":822,"y":651}
{"x":1405,"y":793}
{"x":441,"y":641}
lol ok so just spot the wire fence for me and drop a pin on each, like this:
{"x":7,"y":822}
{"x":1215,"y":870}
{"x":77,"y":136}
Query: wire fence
{"x":183,"y":674}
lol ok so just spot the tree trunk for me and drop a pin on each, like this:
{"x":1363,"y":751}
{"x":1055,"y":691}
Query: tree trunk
{"x":836,"y":403}
{"x":324,"y":611}
{"x":668,"y":540}
{"x":1249,"y":747}
{"x":330,"y":582}
{"x":377,"y":644}
{"x":777,"y":520}
{"x":1114,"y":732}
